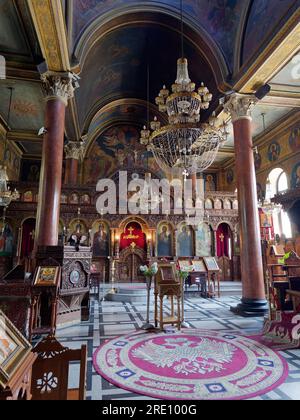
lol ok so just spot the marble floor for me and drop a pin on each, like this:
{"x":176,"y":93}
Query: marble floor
{"x":110,"y":319}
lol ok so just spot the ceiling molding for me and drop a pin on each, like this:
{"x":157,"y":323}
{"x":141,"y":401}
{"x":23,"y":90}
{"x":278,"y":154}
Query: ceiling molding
{"x":273,"y":58}
{"x":278,"y":98}
{"x":18,"y":71}
{"x":24,"y":136}
{"x":49,"y":22}
{"x":32,"y":157}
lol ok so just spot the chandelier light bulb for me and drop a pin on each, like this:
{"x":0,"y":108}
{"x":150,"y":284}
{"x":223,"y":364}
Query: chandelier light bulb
{"x":184,"y":143}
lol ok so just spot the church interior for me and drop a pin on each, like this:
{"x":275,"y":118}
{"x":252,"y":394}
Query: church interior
{"x":149,"y":200}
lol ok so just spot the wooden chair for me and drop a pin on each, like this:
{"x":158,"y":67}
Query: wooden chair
{"x":50,"y":375}
{"x":167,"y":285}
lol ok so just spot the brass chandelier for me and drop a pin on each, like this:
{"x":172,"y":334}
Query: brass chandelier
{"x":184,"y":144}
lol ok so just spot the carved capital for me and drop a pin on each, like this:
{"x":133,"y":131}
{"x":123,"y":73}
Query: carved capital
{"x":240,"y":106}
{"x":74,"y":150}
{"x":59,"y":86}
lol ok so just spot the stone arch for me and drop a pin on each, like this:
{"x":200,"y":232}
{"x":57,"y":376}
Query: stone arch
{"x":218,"y":204}
{"x":209,"y":204}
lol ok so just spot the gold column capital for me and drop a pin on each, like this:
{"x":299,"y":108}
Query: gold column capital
{"x":75,"y":150}
{"x":58,"y":85}
{"x":240,"y":106}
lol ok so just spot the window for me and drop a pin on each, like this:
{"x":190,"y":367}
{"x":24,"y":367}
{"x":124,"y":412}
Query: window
{"x":277,"y":183}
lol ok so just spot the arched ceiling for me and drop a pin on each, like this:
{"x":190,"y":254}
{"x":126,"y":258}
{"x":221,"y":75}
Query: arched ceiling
{"x":220,"y":19}
{"x":116,"y":67}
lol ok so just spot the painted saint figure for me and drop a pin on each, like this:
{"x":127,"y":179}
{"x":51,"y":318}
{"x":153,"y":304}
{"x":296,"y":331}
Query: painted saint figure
{"x":101,"y":242}
{"x":210,"y":184}
{"x":164,"y":242}
{"x":203,"y":241}
{"x":6,"y":241}
{"x":184,"y":242}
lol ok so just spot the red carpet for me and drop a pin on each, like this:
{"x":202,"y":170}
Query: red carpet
{"x":191,"y":365}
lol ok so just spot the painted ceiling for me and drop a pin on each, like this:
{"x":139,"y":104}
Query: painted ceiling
{"x":27,"y":110}
{"x":220,"y":19}
{"x":117,"y":66}
{"x":225,"y":21}
{"x":118,"y":148}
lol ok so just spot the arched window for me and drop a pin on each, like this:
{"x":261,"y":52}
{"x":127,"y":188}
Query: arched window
{"x":277,"y":183}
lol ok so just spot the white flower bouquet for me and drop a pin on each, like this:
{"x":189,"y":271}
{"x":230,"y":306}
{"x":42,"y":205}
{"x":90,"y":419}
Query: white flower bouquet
{"x":150,"y":271}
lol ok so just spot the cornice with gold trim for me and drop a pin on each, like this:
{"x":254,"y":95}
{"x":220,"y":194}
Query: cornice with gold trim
{"x":50,"y":26}
{"x":31,"y":136}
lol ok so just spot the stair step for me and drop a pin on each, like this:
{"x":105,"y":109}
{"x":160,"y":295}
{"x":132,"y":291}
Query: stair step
{"x":123,"y":297}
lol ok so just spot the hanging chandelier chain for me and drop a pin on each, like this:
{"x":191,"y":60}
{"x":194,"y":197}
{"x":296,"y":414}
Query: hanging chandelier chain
{"x":182,"y":29}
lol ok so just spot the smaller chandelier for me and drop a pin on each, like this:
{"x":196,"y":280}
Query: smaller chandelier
{"x":269,"y":208}
{"x":6,"y":195}
{"x":184,"y":144}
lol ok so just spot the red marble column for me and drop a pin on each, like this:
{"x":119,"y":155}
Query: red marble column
{"x":58,"y":89}
{"x":71,"y":176}
{"x":254,"y":299}
{"x":74,"y":153}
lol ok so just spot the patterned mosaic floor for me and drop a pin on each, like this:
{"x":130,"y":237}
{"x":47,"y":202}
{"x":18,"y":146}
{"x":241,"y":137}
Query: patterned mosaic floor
{"x":110,"y":319}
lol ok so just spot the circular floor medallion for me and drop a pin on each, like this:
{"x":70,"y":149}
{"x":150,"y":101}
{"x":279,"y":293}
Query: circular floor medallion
{"x":191,"y":365}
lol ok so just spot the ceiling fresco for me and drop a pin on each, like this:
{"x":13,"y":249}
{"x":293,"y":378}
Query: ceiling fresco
{"x":265,"y":17}
{"x":117,"y":66}
{"x":219,"y":18}
{"x":118,"y":148}
{"x":27,"y":111}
